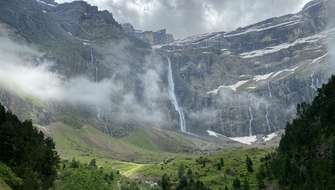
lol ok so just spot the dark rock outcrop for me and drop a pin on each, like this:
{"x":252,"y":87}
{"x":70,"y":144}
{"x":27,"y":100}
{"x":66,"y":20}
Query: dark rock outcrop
{"x":150,"y":37}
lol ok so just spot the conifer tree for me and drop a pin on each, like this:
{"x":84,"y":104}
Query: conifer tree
{"x":249,"y":164}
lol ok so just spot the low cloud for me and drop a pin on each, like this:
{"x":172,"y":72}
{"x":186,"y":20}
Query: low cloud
{"x":25,"y":72}
{"x":22,"y":72}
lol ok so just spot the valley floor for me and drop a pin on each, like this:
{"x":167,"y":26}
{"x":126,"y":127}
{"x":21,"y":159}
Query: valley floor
{"x":145,"y":155}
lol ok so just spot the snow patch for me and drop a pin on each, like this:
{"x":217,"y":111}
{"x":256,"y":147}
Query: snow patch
{"x":285,"y":70}
{"x":195,"y":39}
{"x":277,"y":48}
{"x":233,"y":87}
{"x":245,"y":140}
{"x":312,"y":4}
{"x":44,"y":3}
{"x":263,"y":28}
{"x":269,"y":137}
{"x":317,"y":60}
{"x":212,"y":133}
{"x":262,"y":77}
{"x":252,"y":87}
{"x":248,"y":140}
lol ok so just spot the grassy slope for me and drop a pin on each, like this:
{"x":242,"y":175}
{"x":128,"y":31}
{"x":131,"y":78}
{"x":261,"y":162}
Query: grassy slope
{"x":235,"y":166}
{"x":141,"y":146}
{"x":141,"y":154}
{"x":89,"y":141}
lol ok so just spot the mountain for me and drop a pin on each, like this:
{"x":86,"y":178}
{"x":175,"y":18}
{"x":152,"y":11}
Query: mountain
{"x":92,"y":71}
{"x":79,"y":41}
{"x":149,"y":107}
{"x":89,"y":85}
{"x":248,"y":81}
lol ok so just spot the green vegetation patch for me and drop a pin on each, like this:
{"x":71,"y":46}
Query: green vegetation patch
{"x":215,"y":171}
{"x":7,"y":176}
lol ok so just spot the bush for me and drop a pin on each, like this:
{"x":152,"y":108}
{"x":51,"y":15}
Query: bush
{"x":9,"y":176}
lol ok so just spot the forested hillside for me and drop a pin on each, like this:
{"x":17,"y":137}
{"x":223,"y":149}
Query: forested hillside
{"x":28,"y":159}
{"x":305,"y":158}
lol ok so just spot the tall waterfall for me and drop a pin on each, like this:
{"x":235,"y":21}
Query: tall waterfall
{"x":269,"y":89}
{"x":173,"y":98}
{"x":250,"y":120}
{"x":313,"y":84}
{"x":96,"y":74}
{"x":92,"y":63}
{"x":267,"y":118}
{"x":92,"y":57}
{"x":268,"y":124}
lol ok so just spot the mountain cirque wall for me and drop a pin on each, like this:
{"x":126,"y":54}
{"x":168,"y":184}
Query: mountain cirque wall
{"x":248,"y":81}
{"x":102,"y":75}
{"x":240,"y":83}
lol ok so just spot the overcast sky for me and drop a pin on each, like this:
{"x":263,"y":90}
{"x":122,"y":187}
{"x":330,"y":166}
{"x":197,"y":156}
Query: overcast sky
{"x":188,"y":17}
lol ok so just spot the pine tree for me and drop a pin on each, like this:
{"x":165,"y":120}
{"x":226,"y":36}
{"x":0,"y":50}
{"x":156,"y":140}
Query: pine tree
{"x":218,"y":165}
{"x":249,"y":164}
{"x":222,"y":162}
{"x":189,"y":173}
{"x":74,"y":163}
{"x":30,"y":154}
{"x":165,"y":182}
{"x":181,"y":171}
{"x":93,"y":163}
{"x":237,"y":184}
{"x":182,"y":183}
{"x":111,"y":176}
{"x":246,"y":185}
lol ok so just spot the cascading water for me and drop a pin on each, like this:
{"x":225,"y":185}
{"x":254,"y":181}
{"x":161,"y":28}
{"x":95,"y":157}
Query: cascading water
{"x":313,"y":85}
{"x":107,"y":130}
{"x":92,"y":63}
{"x":92,"y":57}
{"x":267,"y":118}
{"x":269,"y":89}
{"x":267,"y":109}
{"x":173,"y":98}
{"x":250,"y":121}
{"x":96,"y":74}
{"x":268,"y":124}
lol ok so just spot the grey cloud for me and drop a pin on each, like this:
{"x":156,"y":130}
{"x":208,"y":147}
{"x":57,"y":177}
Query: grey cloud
{"x":187,"y":17}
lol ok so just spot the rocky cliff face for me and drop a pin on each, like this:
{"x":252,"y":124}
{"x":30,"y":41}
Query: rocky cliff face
{"x":150,"y":37}
{"x":248,"y":81}
{"x":240,"y":83}
{"x":82,"y":42}
{"x":67,"y":33}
